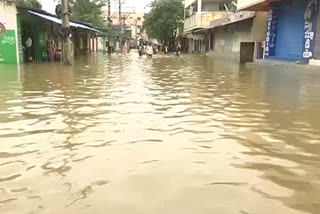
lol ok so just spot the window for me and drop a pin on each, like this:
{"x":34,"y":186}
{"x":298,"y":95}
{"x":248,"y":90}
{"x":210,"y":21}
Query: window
{"x":222,"y":7}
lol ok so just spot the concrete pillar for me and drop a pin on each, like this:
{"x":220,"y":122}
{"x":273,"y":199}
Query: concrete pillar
{"x":104,"y":44}
{"x":89,"y":43}
{"x":199,"y":6}
{"x":190,"y":45}
{"x":92,"y":40}
{"x":209,"y":41}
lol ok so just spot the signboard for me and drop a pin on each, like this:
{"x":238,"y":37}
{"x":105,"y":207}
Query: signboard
{"x":310,"y":24}
{"x":272,"y":23}
{"x":8,"y":38}
{"x":8,"y":47}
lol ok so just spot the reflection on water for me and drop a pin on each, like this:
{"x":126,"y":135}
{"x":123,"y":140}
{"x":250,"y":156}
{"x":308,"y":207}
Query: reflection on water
{"x":162,"y":135}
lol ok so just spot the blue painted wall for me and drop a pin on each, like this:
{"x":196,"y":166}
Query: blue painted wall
{"x":290,"y":33}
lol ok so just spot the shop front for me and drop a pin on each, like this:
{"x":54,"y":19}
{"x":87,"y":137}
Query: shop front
{"x":237,"y":28}
{"x":291,"y":28}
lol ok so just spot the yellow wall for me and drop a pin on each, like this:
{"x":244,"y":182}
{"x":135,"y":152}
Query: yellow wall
{"x":259,"y":26}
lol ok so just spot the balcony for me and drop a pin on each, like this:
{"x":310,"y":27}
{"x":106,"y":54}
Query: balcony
{"x":201,"y":20}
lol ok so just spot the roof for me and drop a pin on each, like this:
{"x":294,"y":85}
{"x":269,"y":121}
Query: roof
{"x":56,"y":19}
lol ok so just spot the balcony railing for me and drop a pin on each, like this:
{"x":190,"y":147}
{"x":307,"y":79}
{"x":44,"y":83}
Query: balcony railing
{"x":201,"y":20}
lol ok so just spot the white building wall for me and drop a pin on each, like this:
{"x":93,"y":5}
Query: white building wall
{"x":247,"y":3}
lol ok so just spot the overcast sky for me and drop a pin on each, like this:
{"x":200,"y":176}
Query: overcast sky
{"x":129,"y":5}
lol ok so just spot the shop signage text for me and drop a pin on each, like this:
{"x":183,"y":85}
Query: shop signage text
{"x":272,"y":23}
{"x":310,"y":22}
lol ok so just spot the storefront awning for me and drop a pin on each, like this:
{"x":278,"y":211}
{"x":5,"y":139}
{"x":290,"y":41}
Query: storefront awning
{"x":58,"y":21}
{"x":233,"y":18}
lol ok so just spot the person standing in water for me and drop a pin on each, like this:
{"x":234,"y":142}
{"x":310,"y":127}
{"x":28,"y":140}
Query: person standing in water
{"x":140,"y":50}
{"x":166,"y":49}
{"x":149,"y":50}
{"x":178,"y":49}
{"x":29,"y":49}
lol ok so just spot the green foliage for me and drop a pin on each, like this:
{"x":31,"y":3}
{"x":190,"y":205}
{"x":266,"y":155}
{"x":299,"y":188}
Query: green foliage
{"x":29,"y":3}
{"x":164,"y":19}
{"x":88,"y":11}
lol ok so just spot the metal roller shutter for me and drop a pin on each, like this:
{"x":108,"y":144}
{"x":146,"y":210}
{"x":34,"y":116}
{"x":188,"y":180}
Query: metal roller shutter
{"x":290,"y":33}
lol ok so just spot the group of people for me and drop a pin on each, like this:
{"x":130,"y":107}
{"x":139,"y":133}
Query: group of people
{"x":146,"y":50}
{"x":49,"y":53}
{"x":149,"y":50}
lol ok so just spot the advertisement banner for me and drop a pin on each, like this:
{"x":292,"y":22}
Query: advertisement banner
{"x":272,"y":23}
{"x":310,"y":23}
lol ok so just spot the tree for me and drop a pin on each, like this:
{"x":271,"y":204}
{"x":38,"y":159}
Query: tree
{"x":165,"y":17}
{"x":29,"y":3}
{"x":89,"y":11}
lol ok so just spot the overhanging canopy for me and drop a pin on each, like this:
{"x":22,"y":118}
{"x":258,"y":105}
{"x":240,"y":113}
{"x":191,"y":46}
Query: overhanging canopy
{"x":58,"y":21}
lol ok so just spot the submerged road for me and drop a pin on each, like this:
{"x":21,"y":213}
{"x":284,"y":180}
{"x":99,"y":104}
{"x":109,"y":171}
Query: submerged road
{"x":188,"y":135}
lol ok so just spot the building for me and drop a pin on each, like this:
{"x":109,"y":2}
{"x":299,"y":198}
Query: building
{"x":198,"y":16}
{"x":9,"y":34}
{"x":130,"y":28}
{"x":227,"y":34}
{"x":293,"y":28}
{"x":19,"y":24}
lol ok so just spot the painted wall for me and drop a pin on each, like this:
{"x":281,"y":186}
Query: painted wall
{"x":210,"y":6}
{"x":8,"y":36}
{"x":246,"y":3}
{"x":259,"y":26}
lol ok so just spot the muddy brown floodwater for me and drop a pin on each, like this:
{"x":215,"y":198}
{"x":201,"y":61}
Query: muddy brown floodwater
{"x":188,"y":135}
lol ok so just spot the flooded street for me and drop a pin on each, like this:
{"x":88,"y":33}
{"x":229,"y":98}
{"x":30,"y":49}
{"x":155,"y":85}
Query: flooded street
{"x":168,"y":135}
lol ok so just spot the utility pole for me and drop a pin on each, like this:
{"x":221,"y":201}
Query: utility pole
{"x":109,"y":27}
{"x":120,"y":23}
{"x":136,"y":33}
{"x":67,"y":44}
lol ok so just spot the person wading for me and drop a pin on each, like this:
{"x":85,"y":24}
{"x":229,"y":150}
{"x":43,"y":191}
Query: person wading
{"x":149,"y":50}
{"x":140,"y":50}
{"x":178,"y":49}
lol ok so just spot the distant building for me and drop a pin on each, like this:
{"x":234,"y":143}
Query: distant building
{"x":214,"y":26}
{"x":131,"y":23}
{"x":198,"y":16}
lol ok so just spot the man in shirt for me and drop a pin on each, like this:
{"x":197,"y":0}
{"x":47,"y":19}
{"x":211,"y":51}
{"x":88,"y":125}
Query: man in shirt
{"x":149,"y":50}
{"x":29,"y":48}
